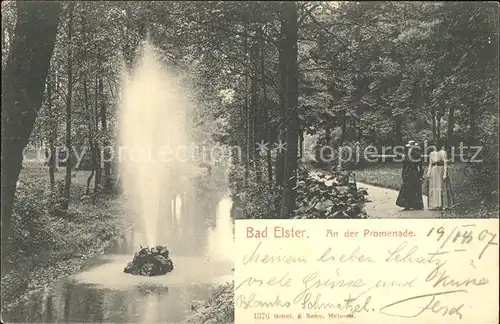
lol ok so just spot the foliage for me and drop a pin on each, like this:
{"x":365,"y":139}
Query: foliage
{"x":256,"y":199}
{"x":33,"y":210}
{"x":8,"y":24}
{"x":332,"y":196}
{"x":49,"y":246}
{"x":219,"y":309}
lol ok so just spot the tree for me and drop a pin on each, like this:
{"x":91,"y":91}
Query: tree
{"x":52,"y":134}
{"x":69,"y":103}
{"x":289,"y":82}
{"x":23,"y":84}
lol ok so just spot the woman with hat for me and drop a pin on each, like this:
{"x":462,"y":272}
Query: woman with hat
{"x":440,"y":195}
{"x":410,"y":195}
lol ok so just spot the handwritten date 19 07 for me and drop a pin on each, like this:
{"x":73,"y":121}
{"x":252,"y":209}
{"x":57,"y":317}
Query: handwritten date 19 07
{"x":463,"y":234}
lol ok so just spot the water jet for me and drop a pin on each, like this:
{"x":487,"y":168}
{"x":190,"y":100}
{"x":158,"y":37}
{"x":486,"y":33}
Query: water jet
{"x":153,"y":132}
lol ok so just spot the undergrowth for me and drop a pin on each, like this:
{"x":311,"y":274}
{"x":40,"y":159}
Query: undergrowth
{"x":46,"y":245}
{"x":218,"y":309}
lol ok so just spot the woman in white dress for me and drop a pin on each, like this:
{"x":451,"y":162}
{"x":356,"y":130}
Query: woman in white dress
{"x":440,"y":195}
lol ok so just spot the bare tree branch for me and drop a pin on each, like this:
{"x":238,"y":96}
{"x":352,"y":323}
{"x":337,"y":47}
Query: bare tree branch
{"x":61,"y":93}
{"x":306,"y":14}
{"x":326,"y":30}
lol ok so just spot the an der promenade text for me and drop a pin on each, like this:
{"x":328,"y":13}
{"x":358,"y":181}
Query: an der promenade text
{"x":402,"y":271}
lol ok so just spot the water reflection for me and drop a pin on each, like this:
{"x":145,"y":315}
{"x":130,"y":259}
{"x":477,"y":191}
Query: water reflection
{"x":199,"y":232}
{"x":216,"y":243}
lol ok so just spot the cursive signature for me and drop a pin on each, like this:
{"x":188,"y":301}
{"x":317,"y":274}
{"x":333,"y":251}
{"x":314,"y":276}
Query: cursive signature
{"x":433,"y":304}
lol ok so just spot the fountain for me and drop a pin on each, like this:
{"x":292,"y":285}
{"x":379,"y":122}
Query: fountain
{"x":153,"y":128}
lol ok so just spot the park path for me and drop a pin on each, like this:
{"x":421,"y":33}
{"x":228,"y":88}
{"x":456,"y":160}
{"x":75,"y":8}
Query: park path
{"x":382,"y":204}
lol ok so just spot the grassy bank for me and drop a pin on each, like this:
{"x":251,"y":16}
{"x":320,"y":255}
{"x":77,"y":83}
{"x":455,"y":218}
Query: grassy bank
{"x":219,"y":309}
{"x":387,"y":175}
{"x":47,"y":247}
{"x":467,"y":193}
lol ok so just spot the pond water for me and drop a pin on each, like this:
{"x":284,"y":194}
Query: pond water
{"x":198,"y":231}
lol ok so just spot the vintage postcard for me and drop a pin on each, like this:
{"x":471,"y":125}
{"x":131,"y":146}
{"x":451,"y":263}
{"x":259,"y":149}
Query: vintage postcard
{"x":223,"y":162}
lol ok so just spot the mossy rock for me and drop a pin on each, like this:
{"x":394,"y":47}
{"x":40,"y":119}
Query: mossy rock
{"x":154,"y":261}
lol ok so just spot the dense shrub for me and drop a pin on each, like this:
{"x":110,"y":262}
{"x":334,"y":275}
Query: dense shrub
{"x":332,"y":195}
{"x":33,"y":210}
{"x":256,"y":199}
{"x":485,"y":174}
{"x":219,"y":309}
{"x":46,"y":244}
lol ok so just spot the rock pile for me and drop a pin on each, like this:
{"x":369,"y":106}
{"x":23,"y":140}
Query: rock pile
{"x":154,"y":261}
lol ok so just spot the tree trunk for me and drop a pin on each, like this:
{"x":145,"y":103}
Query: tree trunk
{"x":472,"y":125}
{"x":91,"y":134}
{"x":254,"y":106}
{"x":301,"y":143}
{"x":280,"y":159}
{"x":49,"y":313}
{"x":89,"y":180}
{"x":372,"y":134}
{"x":322,"y":158}
{"x":52,"y":137}
{"x":451,"y":125}
{"x":398,"y":136}
{"x":23,"y":83}
{"x":4,"y":42}
{"x":288,"y":44}
{"x":343,"y":122}
{"x":328,"y":136}
{"x":438,"y":130}
{"x":266,"y":116}
{"x":67,"y":303}
{"x":434,"y":135}
{"x":97,"y":162}
{"x":247,"y":119}
{"x":104,"y":128}
{"x":69,"y":98}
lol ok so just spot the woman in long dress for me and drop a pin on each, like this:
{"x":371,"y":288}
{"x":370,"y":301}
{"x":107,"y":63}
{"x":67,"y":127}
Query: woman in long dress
{"x":410,"y":195}
{"x":440,"y":195}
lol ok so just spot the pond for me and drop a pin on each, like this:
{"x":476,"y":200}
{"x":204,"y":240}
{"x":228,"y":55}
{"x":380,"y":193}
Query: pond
{"x":198,"y":231}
